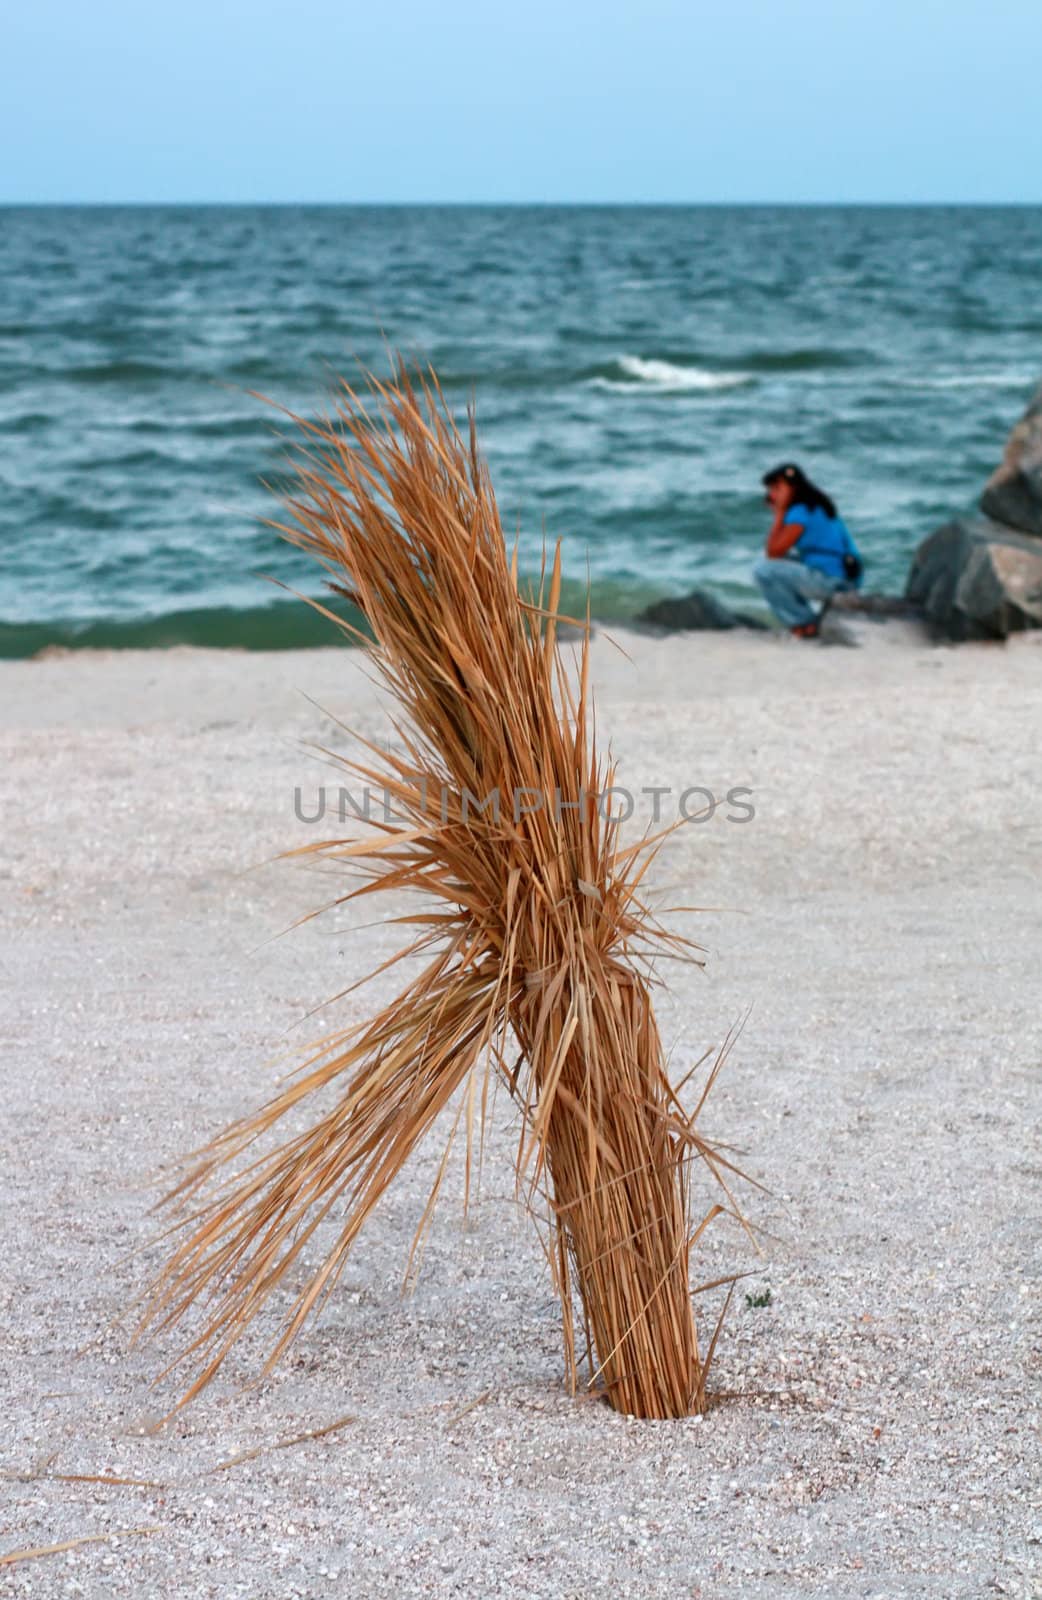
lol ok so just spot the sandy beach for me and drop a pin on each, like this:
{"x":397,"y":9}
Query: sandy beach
{"x":879,"y":924}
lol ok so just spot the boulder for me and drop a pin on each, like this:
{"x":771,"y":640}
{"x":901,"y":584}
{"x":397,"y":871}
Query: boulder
{"x":880,"y":607}
{"x":698,"y":610}
{"x":975,"y":578}
{"x":981,"y":577}
{"x":1013,"y":493}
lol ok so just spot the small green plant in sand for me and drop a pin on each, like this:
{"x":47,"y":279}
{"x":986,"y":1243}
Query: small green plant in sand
{"x":756,"y":1302}
{"x":533,"y":929}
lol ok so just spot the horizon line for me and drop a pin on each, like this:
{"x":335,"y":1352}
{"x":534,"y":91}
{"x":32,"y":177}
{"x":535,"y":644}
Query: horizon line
{"x":528,"y":205}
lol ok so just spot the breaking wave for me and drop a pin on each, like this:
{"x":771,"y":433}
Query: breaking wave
{"x":665,"y":377}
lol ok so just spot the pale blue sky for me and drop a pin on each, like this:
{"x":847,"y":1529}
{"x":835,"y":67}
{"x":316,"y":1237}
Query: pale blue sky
{"x":467,"y":100}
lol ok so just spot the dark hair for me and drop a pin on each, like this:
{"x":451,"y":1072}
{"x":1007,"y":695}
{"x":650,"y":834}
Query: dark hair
{"x":805,"y":493}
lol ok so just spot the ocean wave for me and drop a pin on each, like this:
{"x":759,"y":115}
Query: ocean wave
{"x":811,"y":358}
{"x":283,"y":625}
{"x":215,"y":425}
{"x":278,"y":625}
{"x":969,"y":380}
{"x":630,"y":372}
{"x":27,"y":422}
{"x":121,"y":372}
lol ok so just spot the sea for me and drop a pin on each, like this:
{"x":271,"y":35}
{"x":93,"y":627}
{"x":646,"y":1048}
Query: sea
{"x":635,"y":371}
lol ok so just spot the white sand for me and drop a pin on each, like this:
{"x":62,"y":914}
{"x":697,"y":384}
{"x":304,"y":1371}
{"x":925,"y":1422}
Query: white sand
{"x":881,"y":915}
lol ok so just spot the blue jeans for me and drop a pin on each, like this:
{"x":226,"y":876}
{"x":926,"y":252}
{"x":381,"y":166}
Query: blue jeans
{"x":789,"y":587}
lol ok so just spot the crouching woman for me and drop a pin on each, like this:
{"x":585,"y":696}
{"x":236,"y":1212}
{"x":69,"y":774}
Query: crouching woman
{"x":810,"y":555}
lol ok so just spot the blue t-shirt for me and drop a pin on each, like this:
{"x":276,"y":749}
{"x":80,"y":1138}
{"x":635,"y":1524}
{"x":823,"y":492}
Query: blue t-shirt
{"x":824,"y":540}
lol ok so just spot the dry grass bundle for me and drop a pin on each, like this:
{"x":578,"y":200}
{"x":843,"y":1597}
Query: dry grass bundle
{"x":532,"y":924}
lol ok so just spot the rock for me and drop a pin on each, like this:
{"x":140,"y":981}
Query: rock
{"x":1013,"y":493}
{"x":981,"y":577}
{"x":697,"y":610}
{"x":977,"y":579}
{"x":877,"y":606}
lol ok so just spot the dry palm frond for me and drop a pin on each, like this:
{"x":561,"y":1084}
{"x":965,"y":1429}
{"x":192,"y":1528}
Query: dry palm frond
{"x":37,"y":1552}
{"x":532,"y":925}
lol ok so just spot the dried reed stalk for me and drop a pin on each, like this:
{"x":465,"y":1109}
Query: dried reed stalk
{"x":532,"y":923}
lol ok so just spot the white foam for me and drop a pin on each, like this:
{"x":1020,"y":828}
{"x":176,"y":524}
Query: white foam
{"x":666,"y":378}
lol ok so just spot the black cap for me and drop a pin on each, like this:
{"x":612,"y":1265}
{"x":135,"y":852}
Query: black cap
{"x":788,"y":470}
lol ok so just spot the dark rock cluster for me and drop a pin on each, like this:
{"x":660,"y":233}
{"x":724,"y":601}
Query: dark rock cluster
{"x":981,"y":577}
